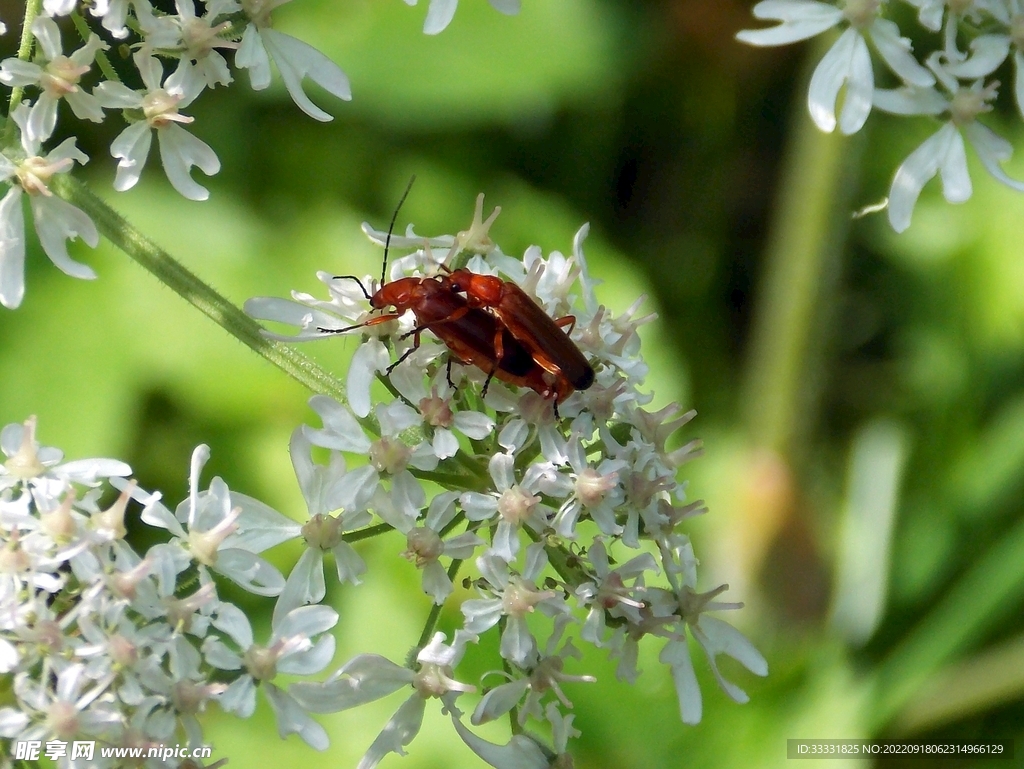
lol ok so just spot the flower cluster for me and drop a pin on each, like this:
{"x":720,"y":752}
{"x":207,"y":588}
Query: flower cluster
{"x":176,"y":58}
{"x":104,"y":643}
{"x":973,"y":38}
{"x":563,"y":507}
{"x":565,"y":514}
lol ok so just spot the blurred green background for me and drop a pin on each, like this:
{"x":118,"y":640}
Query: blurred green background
{"x":861,"y":394}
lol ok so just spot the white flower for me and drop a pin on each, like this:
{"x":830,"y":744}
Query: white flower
{"x":369,"y":677}
{"x":593,"y":491}
{"x":931,"y":12}
{"x":199,"y":37}
{"x":513,"y":596}
{"x":441,"y":423}
{"x":990,"y":50}
{"x":57,"y":76}
{"x":390,"y":458}
{"x":66,"y":711}
{"x":426,"y":544}
{"x":441,"y":12}
{"x":113,"y":14}
{"x":847,"y":61}
{"x":542,"y":676}
{"x":325,"y":489}
{"x":159,"y":105}
{"x":225,"y":531}
{"x":608,"y":595}
{"x":40,"y":469}
{"x":714,"y":636}
{"x":294,"y":58}
{"x":604,"y":464}
{"x":291,"y":650}
{"x":515,"y":504}
{"x":56,"y":221}
{"x":944,"y":153}
{"x":59,"y":7}
{"x":523,"y":751}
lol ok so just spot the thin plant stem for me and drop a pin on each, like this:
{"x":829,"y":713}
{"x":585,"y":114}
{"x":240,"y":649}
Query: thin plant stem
{"x":435,"y":609}
{"x":172,"y":273}
{"x":807,"y":233}
{"x":101,"y":57}
{"x":24,"y":54}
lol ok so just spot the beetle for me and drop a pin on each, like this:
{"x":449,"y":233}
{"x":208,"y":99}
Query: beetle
{"x":543,"y":336}
{"x":472,"y":335}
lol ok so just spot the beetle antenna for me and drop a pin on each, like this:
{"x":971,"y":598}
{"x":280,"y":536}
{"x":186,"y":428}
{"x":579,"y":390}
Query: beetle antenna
{"x":391,"y":227}
{"x":358,"y":283}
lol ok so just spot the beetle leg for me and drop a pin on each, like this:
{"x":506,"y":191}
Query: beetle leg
{"x":487,"y":381}
{"x":448,"y":373}
{"x":419,"y":329}
{"x":371,"y":322}
{"x":499,"y":356}
{"x":407,"y":353}
{"x":568,"y":320}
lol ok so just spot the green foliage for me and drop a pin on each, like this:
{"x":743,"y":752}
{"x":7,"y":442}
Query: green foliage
{"x":573,"y":112}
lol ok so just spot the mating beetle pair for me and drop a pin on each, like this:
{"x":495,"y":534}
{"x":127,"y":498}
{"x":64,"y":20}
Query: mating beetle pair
{"x":486,"y":322}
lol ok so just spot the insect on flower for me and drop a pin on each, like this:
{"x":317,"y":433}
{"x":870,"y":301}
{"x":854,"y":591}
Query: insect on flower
{"x":543,"y":336}
{"x":473,"y":336}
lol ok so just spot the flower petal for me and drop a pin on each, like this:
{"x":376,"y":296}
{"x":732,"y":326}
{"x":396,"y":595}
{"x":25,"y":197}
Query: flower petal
{"x":131,"y":148}
{"x":12,"y":249}
{"x":295,"y":60}
{"x":992,"y":149}
{"x":251,"y":55}
{"x":56,"y":222}
{"x":439,"y":16}
{"x":919,"y":167}
{"x":987,"y":53}
{"x":910,"y":101}
{"x":849,"y":62}
{"x":956,"y":179}
{"x":397,"y":733}
{"x":179,"y":152}
{"x":306,"y":621}
{"x":305,"y":584}
{"x":341,"y":431}
{"x":801,"y":19}
{"x":895,"y":51}
{"x":292,"y":719}
{"x":677,"y":656}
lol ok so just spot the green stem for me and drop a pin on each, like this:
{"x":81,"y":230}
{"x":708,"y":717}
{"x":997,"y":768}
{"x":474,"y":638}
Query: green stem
{"x":24,"y":54}
{"x":169,"y":271}
{"x":435,"y":609}
{"x":472,"y":464}
{"x":451,"y":482}
{"x":368,"y":533}
{"x":805,"y":241}
{"x":101,"y":58}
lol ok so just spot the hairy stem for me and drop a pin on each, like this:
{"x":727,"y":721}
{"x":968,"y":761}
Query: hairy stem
{"x":101,"y":58}
{"x":169,"y":271}
{"x":24,"y":54}
{"x":435,"y":609}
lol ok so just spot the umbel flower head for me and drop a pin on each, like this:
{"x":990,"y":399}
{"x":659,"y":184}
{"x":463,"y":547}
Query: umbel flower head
{"x":28,"y":171}
{"x":970,"y":41}
{"x":560,"y":509}
{"x":100,"y":642}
